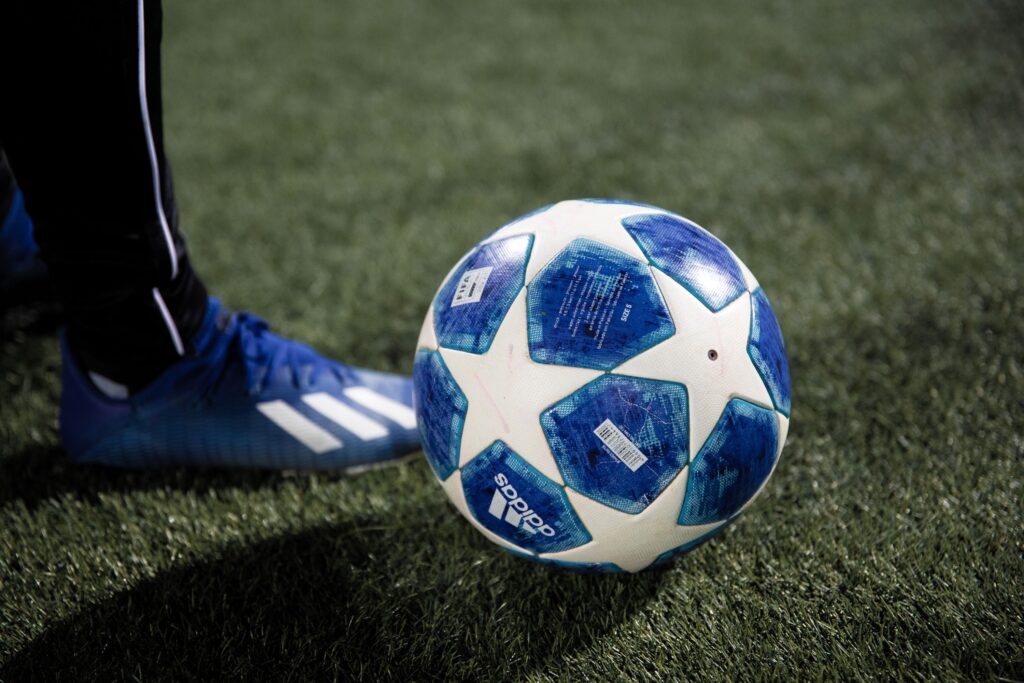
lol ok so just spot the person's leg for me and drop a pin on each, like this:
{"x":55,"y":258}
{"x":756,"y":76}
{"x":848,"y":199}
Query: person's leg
{"x":81,"y":124}
{"x":154,"y":372}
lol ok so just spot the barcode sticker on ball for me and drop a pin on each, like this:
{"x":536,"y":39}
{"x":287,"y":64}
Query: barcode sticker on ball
{"x":619,"y":444}
{"x":471,"y":286}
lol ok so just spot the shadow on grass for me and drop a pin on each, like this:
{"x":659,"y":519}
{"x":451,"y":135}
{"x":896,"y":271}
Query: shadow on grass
{"x":345,"y":602}
{"x":38,"y":474}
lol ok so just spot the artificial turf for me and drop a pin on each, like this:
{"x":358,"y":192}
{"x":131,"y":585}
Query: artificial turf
{"x":334,"y":159}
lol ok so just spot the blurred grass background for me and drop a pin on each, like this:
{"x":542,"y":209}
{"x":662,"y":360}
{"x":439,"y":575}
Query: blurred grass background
{"x":334,"y":159}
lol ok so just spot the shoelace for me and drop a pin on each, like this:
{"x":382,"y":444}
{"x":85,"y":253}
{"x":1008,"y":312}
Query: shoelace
{"x":264,"y":353}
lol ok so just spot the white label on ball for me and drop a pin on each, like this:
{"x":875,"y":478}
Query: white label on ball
{"x":471,"y":286}
{"x":619,"y":444}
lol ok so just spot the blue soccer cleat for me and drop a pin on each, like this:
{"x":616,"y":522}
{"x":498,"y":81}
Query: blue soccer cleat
{"x":23,"y":275}
{"x":245,"y":398}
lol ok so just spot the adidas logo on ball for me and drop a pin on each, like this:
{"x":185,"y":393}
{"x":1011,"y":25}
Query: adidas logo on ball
{"x":507,"y":504}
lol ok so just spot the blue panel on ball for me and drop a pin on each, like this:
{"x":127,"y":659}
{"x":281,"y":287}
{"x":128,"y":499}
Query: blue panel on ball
{"x":620,"y":440}
{"x":581,"y":567}
{"x":440,"y":412}
{"x":690,"y":256}
{"x":626,"y":202}
{"x":687,"y":547}
{"x":594,"y":307}
{"x":472,"y":303}
{"x":733,"y":463}
{"x":577,"y":567}
{"x":767,"y":350}
{"x":515,"y":501}
{"x":529,"y":214}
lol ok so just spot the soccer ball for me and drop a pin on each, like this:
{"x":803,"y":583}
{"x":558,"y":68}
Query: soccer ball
{"x":601,"y":385}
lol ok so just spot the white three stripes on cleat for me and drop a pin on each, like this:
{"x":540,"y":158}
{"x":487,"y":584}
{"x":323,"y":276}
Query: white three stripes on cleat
{"x":313,"y":436}
{"x":318,"y":439}
{"x":399,"y":412}
{"x":350,"y":419}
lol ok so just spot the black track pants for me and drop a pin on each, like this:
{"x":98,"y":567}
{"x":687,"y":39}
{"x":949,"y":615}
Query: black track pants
{"x":81,"y":126}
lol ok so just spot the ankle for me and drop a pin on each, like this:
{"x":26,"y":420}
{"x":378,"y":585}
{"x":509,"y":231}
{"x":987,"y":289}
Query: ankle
{"x":126,"y":342}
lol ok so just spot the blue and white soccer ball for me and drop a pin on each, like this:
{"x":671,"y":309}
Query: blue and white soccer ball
{"x":601,"y":385}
